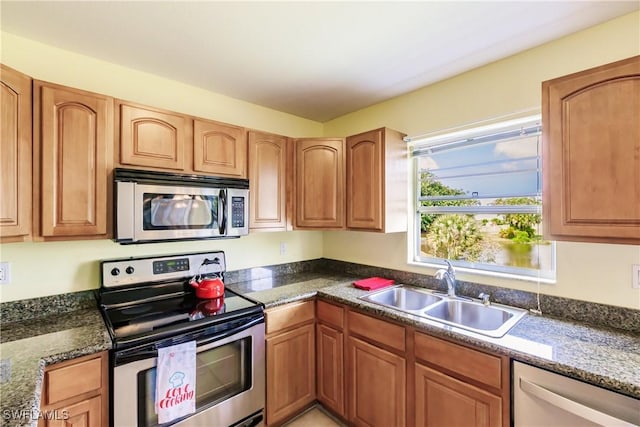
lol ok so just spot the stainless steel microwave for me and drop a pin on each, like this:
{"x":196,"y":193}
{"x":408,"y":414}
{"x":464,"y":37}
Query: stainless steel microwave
{"x":155,"y":206}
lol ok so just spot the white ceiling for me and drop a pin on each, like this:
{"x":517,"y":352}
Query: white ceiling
{"x":317,"y":60}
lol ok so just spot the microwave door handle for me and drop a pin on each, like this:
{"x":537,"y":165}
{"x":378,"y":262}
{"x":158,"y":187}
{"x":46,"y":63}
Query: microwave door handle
{"x":222,"y":212}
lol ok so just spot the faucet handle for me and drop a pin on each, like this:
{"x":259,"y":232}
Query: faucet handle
{"x":450,"y":269}
{"x":485,"y":298}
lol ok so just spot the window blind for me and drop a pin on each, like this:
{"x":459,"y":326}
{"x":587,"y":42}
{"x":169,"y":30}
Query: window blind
{"x":484,"y":169}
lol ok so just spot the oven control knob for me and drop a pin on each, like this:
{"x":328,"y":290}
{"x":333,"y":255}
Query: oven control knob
{"x":129,"y":270}
{"x":115,"y":271}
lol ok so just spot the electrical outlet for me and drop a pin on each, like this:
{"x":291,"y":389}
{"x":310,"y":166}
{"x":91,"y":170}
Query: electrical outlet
{"x":5,"y":273}
{"x":283,"y":248}
{"x":636,"y":276}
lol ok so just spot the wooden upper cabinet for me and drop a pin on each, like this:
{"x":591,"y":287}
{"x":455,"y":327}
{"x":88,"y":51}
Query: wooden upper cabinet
{"x":74,"y":130}
{"x":591,"y":154}
{"x":268,"y":178}
{"x":15,"y":161}
{"x":219,"y":149}
{"x":152,"y":138}
{"x":319,"y":183}
{"x":377,"y":167}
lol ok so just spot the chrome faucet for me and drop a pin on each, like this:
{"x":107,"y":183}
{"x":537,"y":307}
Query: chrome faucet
{"x":449,"y":275}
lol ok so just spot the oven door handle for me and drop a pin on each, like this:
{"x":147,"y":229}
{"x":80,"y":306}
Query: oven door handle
{"x":209,"y":339}
{"x":151,"y":351}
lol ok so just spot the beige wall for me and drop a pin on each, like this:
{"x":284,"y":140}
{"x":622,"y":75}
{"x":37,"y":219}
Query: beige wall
{"x":48,"y":63}
{"x":50,"y":268}
{"x":591,"y":272}
{"x":40,"y":269}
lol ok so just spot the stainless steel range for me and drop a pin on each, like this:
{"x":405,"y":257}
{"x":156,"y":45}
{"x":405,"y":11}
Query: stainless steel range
{"x":148,"y":304}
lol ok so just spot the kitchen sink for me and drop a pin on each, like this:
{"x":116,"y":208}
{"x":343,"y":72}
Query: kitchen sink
{"x":492,"y":320}
{"x":403,"y":298}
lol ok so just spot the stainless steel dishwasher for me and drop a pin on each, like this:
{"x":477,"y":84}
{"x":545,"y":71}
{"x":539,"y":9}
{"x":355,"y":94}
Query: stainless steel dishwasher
{"x":542,"y":398}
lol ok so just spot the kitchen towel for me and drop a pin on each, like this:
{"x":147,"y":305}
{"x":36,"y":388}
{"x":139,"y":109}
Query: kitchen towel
{"x":176,"y":381}
{"x":373,"y":283}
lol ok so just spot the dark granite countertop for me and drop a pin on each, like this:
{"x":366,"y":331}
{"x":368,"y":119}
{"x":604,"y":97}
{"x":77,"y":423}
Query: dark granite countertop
{"x":605,"y":357}
{"x":274,"y":291}
{"x":26,"y":347}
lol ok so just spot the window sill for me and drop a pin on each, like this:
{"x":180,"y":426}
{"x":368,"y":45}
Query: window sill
{"x":540,"y":280}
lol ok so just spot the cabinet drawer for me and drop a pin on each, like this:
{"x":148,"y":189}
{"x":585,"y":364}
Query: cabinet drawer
{"x":472,"y":364}
{"x":377,"y":330}
{"x":331,"y":314}
{"x":290,"y":315}
{"x":72,"y":380}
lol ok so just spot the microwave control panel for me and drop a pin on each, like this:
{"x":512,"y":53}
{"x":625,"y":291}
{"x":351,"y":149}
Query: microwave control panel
{"x":237,"y":212}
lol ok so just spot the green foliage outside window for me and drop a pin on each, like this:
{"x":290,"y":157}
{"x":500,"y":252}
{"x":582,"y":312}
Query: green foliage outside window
{"x":521,"y":227}
{"x":454,"y":236}
{"x":430,"y":186}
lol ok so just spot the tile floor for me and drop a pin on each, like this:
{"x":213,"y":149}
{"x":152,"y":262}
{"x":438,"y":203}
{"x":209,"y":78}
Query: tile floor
{"x":314,"y":417}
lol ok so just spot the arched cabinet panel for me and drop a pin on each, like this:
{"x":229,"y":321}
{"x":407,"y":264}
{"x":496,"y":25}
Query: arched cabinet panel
{"x":268,"y":172}
{"x":219,"y":149}
{"x":591,"y":154}
{"x":15,"y":161}
{"x":75,"y":137}
{"x":152,"y":138}
{"x":377,"y":166}
{"x":319,"y":183}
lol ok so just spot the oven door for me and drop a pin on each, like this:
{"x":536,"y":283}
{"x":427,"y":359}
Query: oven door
{"x":230,"y":384}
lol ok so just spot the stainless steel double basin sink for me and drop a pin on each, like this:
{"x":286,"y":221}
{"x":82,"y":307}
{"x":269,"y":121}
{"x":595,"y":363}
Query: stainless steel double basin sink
{"x":491,"y":320}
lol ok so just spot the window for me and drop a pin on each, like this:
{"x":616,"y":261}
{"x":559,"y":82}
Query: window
{"x":478,"y":200}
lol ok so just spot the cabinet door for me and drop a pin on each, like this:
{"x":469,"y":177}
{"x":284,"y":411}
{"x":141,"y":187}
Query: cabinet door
{"x":15,"y":161}
{"x":152,"y":138}
{"x":329,"y":368}
{"x":319,"y":182}
{"x":86,"y":413}
{"x":445,"y":401}
{"x":377,"y":385}
{"x":291,"y":373}
{"x":219,"y":149}
{"x":591,"y":149}
{"x":76,"y":138}
{"x":365,"y":181}
{"x":268,"y":178}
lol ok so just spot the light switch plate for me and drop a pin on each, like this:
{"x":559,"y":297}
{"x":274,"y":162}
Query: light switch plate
{"x":5,"y":273}
{"x":636,"y":276}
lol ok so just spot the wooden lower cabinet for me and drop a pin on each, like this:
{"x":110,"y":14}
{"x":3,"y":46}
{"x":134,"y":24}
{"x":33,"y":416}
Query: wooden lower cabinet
{"x":86,"y":413}
{"x":330,"y":354}
{"x":75,"y":393}
{"x":441,"y":400}
{"x":376,"y":384}
{"x":375,"y":373}
{"x":456,"y":385}
{"x":291,"y":361}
